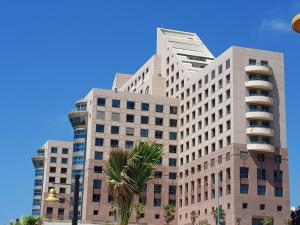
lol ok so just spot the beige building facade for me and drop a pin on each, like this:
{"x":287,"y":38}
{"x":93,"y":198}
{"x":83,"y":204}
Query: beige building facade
{"x":222,"y":124}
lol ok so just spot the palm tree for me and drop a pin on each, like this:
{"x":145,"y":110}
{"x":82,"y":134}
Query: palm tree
{"x":288,"y":221}
{"x":169,"y":213}
{"x":221,"y":213}
{"x":127,"y":171}
{"x":139,"y":210}
{"x":31,"y":220}
{"x":194,"y":217}
{"x":267,"y":220}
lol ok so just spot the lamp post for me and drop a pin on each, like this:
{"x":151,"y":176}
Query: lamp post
{"x":296,"y":23}
{"x":52,"y":197}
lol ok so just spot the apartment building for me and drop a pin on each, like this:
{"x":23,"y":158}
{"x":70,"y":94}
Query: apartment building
{"x":220,"y":119}
{"x":53,"y":168}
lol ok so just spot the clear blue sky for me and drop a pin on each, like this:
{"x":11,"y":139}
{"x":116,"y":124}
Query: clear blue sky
{"x":53,"y":52}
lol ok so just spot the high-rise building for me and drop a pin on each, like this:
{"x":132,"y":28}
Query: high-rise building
{"x":222,"y":124}
{"x":53,"y":168}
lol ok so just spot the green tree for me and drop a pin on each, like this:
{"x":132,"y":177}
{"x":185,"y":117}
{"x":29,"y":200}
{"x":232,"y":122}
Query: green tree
{"x":194,"y":217}
{"x":288,"y":221}
{"x":238,"y":220}
{"x":295,"y":215}
{"x":169,"y":213}
{"x":127,"y":171}
{"x":139,"y":210}
{"x":221,"y":213}
{"x":31,"y":220}
{"x":267,"y":220}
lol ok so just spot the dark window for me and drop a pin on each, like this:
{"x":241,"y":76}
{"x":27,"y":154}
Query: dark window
{"x":115,"y":103}
{"x":227,"y":63}
{"x":63,"y":180}
{"x":144,"y":132}
{"x":97,"y":184}
{"x":277,"y":158}
{"x":52,"y":169}
{"x":114,"y":129}
{"x":63,"y":170}
{"x":172,"y":190}
{"x":159,"y":108}
{"x":145,"y":107}
{"x":244,"y":188}
{"x":172,"y":162}
{"x":129,"y":144}
{"x":278,"y":191}
{"x":244,"y":171}
{"x":49,"y":210}
{"x":172,"y":148}
{"x":98,"y":155}
{"x":99,"y":128}
{"x":262,"y":206}
{"x":260,"y":157}
{"x":101,"y":101}
{"x":279,"y":208}
{"x":95,"y":212}
{"x":159,"y":121}
{"x":130,"y":105}
{"x":64,"y":160}
{"x":172,"y":135}
{"x":157,"y":174}
{"x":51,"y":179}
{"x":172,"y":176}
{"x":130,"y":118}
{"x":97,"y":169}
{"x":173,"y":123}
{"x":173,"y":110}
{"x":96,"y":197}
{"x":245,"y":205}
{"x":65,"y":150}
{"x":157,"y":216}
{"x":261,"y":190}
{"x":114,"y":143}
{"x":252,"y":61}
{"x":157,"y":202}
{"x":261,"y":174}
{"x":53,"y":150}
{"x":62,"y":190}
{"x":158,"y":134}
{"x":144,"y":119}
{"x":99,"y":141}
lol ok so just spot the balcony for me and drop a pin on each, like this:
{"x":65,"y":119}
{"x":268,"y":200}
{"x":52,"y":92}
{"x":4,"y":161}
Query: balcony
{"x":259,"y":99}
{"x":259,"y":69}
{"x":259,"y":114}
{"x":261,"y":84}
{"x":78,"y":117}
{"x":38,"y":161}
{"x":260,"y":130}
{"x":260,"y":146}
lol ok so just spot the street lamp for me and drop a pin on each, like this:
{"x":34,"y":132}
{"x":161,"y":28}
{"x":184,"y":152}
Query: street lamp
{"x":296,"y":23}
{"x":52,"y":197}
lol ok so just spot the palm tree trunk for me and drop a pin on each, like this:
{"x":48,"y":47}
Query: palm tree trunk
{"x":125,"y":209}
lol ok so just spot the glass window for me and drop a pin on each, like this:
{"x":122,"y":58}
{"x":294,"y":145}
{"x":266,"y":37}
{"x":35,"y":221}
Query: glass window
{"x":144,"y":119}
{"x":173,"y":123}
{"x":129,"y":118}
{"x":172,"y":176}
{"x":173,"y":110}
{"x":39,"y":172}
{"x":53,"y":159}
{"x":129,"y":144}
{"x":53,"y":150}
{"x":172,"y":135}
{"x":98,"y":155}
{"x":261,"y":174}
{"x":100,"y":115}
{"x":145,"y":107}
{"x":144,"y":132}
{"x":172,"y":162}
{"x":157,"y":188}
{"x":261,"y":190}
{"x":278,"y":191}
{"x":157,"y":202}
{"x":130,"y":105}
{"x":260,"y":157}
{"x":114,"y":129}
{"x":115,"y":116}
{"x":129,"y":131}
{"x":78,"y":147}
{"x":277,"y":175}
{"x":99,"y":128}
{"x":52,"y":169}
{"x":158,"y":134}
{"x":227,"y":63}
{"x":97,"y":169}
{"x":99,"y":141}
{"x":172,"y":148}
{"x":101,"y":101}
{"x":244,"y":171}
{"x":96,"y":197}
{"x":115,"y":103}
{"x":38,"y":182}
{"x":277,"y":158}
{"x":159,"y":121}
{"x":97,"y":184}
{"x":63,"y":170}
{"x":114,"y":143}
{"x":244,"y":188}
{"x":65,"y":150}
{"x":159,"y":108}
{"x":220,"y":69}
{"x":64,"y":160}
{"x":78,"y":160}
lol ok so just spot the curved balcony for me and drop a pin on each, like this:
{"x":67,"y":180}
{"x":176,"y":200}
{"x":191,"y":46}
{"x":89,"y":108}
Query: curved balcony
{"x":78,"y":117}
{"x":259,"y":69}
{"x":259,"y":99}
{"x":261,"y":84}
{"x":38,"y":161}
{"x":259,"y":115}
{"x":264,"y":131}
{"x":265,"y":147}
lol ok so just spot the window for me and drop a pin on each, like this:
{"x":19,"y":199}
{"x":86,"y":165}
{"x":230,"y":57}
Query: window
{"x":172,"y":135}
{"x":172,"y":162}
{"x":277,"y":159}
{"x":51,"y":179}
{"x":52,"y":169}
{"x":78,"y":134}
{"x":144,"y":132}
{"x":172,"y":148}
{"x":172,"y":176}
{"x":114,"y":143}
{"x":244,"y":188}
{"x":129,"y":131}
{"x":260,"y":157}
{"x":63,"y":180}
{"x":261,"y":174}
{"x":277,"y":175}
{"x":114,"y":129}
{"x":157,"y":188}
{"x":172,"y":190}
{"x":173,"y":123}
{"x":101,"y":101}
{"x":144,"y":119}
{"x":53,"y":160}
{"x":261,"y":190}
{"x":115,"y":103}
{"x":145,"y":107}
{"x":98,"y":155}
{"x":49,"y":211}
{"x":157,"y":174}
{"x":129,"y":118}
{"x":78,"y":147}
{"x":96,"y":197}
{"x":262,"y":206}
{"x":173,"y":110}
{"x":159,"y":121}
{"x":97,"y":184}
{"x":63,"y":170}
{"x":245,"y":205}
{"x":158,"y":134}
{"x":95,"y":212}
{"x":157,"y":216}
{"x":220,"y":69}
{"x":78,"y":160}
{"x":62,"y":190}
{"x":65,"y":150}
{"x":244,"y":171}
{"x":99,"y":141}
{"x":252,"y":61}
{"x":53,"y":150}
{"x":159,"y":108}
{"x":279,"y":208}
{"x":227,"y":63}
{"x":99,"y":128}
{"x":115,"y":116}
{"x":97,"y":169}
{"x":64,"y":160}
{"x":129,"y":144}
{"x":157,"y":202}
{"x":130,"y":105}
{"x":278,"y":191}
{"x":100,"y":115}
